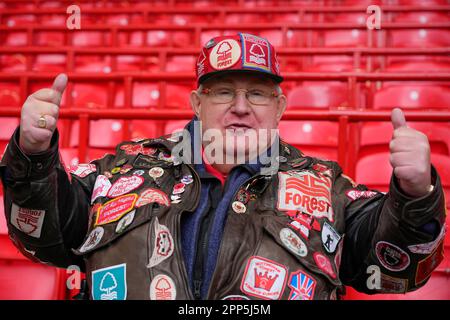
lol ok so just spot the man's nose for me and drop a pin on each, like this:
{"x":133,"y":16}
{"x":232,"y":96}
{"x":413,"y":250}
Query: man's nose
{"x":241,"y":104}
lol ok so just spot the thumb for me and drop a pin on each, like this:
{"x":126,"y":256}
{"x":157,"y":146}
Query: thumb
{"x":398,"y":118}
{"x":59,"y":84}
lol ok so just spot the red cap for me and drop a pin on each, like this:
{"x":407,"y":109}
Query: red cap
{"x":241,"y":52}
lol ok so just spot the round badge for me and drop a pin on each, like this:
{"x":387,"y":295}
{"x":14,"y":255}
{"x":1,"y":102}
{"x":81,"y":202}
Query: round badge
{"x":225,"y":54}
{"x":115,"y":170}
{"x":238,"y":207}
{"x":162,"y":287}
{"x":178,"y":188}
{"x":93,"y":239}
{"x":187,"y":179}
{"x":156,"y":172}
{"x":165,"y":157}
{"x":293,"y":242}
{"x":125,"y":222}
{"x":243,"y":196}
{"x":175,"y":197}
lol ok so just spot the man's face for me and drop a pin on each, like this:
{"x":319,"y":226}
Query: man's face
{"x":254,"y":109}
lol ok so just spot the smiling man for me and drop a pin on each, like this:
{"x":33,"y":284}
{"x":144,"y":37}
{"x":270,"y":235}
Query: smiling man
{"x":150,"y":222}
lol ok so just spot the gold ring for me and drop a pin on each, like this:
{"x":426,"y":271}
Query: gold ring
{"x":42,"y":123}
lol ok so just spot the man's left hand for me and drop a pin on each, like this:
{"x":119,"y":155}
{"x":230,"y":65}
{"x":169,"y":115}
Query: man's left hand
{"x":410,"y":157}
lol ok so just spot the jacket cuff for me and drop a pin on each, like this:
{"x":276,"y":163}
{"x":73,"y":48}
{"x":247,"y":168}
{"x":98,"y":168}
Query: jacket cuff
{"x":417,"y":212}
{"x":35,"y":166}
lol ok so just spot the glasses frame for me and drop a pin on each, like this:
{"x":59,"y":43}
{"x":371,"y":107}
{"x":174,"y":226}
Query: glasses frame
{"x":208,"y":91}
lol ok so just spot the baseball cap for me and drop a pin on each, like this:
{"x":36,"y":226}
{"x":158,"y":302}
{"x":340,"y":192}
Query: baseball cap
{"x":242,"y":52}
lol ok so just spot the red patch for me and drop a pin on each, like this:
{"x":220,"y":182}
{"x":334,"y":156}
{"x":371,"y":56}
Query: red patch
{"x":264,"y":278}
{"x":153,"y":195}
{"x":134,"y":149}
{"x":124,"y":185}
{"x":114,"y":210}
{"x":324,"y":264}
{"x":427,"y":265}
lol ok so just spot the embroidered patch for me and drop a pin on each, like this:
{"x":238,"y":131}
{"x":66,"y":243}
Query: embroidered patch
{"x":135,"y":149}
{"x":391,"y":257}
{"x":163,"y":245}
{"x":28,"y":221}
{"x":110,"y":283}
{"x":324,"y":264}
{"x":162,"y":287}
{"x":125,"y":221}
{"x":124,"y":185}
{"x":101,"y":187}
{"x":264,"y":278}
{"x":305,"y":192}
{"x":151,"y":195}
{"x":427,"y":248}
{"x":392,"y":285}
{"x":293,"y":242}
{"x":83,"y":169}
{"x":357,"y":194}
{"x":115,"y":209}
{"x":256,"y":52}
{"x":427,"y":265}
{"x":330,"y":238}
{"x":225,"y":54}
{"x":93,"y":239}
{"x":302,"y":285}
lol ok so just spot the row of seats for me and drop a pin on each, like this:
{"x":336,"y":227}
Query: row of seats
{"x":408,"y":38}
{"x":313,"y":95}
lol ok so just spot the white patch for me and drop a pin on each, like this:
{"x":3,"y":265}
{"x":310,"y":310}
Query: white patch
{"x":101,"y":187}
{"x":305,"y":192}
{"x":124,"y":185}
{"x":28,"y":221}
{"x":429,"y":247}
{"x":264,"y":278}
{"x":330,"y":238}
{"x":93,"y":240}
{"x":225,"y":54}
{"x":162,"y":288}
{"x":293,"y":242}
{"x":301,"y":228}
{"x":83,"y":169}
{"x":163,"y":246}
{"x":356,"y":194}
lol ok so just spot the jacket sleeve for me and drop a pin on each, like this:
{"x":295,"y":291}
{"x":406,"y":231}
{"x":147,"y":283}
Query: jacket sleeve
{"x":392,"y":242}
{"x":47,"y":208}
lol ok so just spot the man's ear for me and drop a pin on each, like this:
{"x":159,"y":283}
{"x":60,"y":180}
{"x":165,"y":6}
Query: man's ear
{"x":281,"y":106}
{"x":196,"y":106}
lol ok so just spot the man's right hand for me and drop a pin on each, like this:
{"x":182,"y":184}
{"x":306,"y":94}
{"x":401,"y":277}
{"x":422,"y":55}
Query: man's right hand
{"x":43,"y":103}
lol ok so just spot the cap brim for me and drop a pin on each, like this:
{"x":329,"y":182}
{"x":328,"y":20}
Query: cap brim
{"x":277,"y":79}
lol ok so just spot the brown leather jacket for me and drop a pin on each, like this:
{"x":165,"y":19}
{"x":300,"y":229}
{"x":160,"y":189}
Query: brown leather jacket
{"x":119,"y":219}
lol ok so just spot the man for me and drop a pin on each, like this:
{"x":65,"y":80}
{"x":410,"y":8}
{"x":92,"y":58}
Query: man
{"x":159,"y":220}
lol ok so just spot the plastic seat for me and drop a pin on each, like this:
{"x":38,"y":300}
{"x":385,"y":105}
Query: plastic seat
{"x":102,"y":133}
{"x":423,"y":3}
{"x":16,"y":38}
{"x":49,"y":38}
{"x":144,"y":95}
{"x":419,"y":38}
{"x":50,"y":63}
{"x":319,"y":96}
{"x":90,"y":38}
{"x":375,"y":136}
{"x":314,"y":138}
{"x":24,"y":280}
{"x":345,"y":38}
{"x":9,"y":95}
{"x":70,"y":155}
{"x":87,"y":95}
{"x":421,"y":17}
{"x":12,"y":63}
{"x":180,"y":63}
{"x":419,"y":66}
{"x":414,"y":97}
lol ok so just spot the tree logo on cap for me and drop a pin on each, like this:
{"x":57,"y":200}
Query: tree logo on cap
{"x":257,"y":54}
{"x":225,"y":54}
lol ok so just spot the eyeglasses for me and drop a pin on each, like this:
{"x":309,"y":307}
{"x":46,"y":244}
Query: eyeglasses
{"x":257,"y":97}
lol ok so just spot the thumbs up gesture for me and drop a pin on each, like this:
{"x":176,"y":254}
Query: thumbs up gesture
{"x":39,"y":116}
{"x":410,"y":157}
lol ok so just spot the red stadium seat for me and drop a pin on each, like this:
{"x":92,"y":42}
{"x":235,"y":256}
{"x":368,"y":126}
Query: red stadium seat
{"x":419,"y":66}
{"x":50,"y":63}
{"x":421,"y":17}
{"x":49,"y":39}
{"x":12,"y":63}
{"x":375,"y":136}
{"x":144,"y":95}
{"x":414,"y":97}
{"x":173,"y":126}
{"x":9,"y":95}
{"x":314,"y":138}
{"x":102,"y":133}
{"x":87,"y":95}
{"x":181,"y":64}
{"x":90,"y":39}
{"x":143,"y":129}
{"x":419,"y":38}
{"x":318,"y":96}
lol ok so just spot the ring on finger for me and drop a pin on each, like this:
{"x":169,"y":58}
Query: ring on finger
{"x":42,"y":123}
